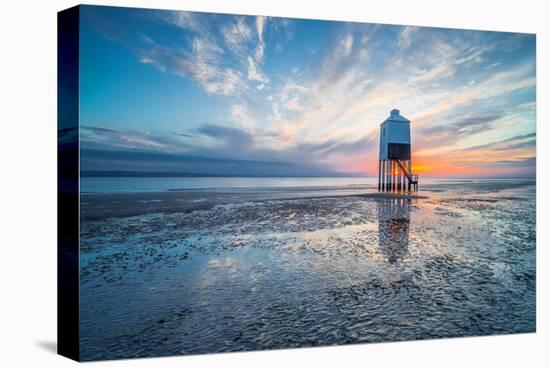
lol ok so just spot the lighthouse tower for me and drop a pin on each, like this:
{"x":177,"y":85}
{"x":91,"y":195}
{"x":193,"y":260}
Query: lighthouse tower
{"x":394,"y":162}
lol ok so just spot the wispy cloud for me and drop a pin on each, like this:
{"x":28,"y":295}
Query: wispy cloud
{"x":239,"y":114}
{"x":516,"y":142}
{"x":223,"y":58}
{"x":405,"y":37}
{"x":106,"y":138}
{"x":260,"y":25}
{"x":234,"y":138}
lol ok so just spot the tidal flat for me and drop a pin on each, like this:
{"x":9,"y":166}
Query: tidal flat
{"x":206,"y":271}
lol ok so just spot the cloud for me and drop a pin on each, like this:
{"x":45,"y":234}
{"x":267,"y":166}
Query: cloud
{"x":254,"y":74}
{"x":240,"y":115}
{"x":437,"y":72}
{"x":221,"y":57}
{"x":237,"y":33}
{"x":184,"y":135}
{"x":208,"y":139}
{"x":530,"y":162}
{"x":239,"y":39}
{"x":473,"y":55}
{"x":292,"y":103}
{"x":93,"y":137}
{"x":231,"y":138}
{"x":260,"y":25}
{"x":459,"y":127}
{"x":185,"y":20}
{"x":345,"y":46}
{"x":516,"y":142}
{"x":405,"y":37}
{"x":283,"y":26}
{"x":201,"y":61}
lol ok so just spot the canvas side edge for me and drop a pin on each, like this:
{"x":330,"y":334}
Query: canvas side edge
{"x":68,"y":283}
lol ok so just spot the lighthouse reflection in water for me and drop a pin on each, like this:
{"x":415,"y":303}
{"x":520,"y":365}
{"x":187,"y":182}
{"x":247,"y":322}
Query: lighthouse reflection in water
{"x":394,"y":216}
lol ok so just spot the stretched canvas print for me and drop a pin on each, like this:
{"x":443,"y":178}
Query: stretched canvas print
{"x":236,"y":183}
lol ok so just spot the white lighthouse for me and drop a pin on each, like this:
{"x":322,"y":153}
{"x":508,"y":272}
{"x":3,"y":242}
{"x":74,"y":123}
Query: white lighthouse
{"x":394,"y":162}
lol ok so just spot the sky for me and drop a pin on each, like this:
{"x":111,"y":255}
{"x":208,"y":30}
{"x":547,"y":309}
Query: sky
{"x":306,"y":92}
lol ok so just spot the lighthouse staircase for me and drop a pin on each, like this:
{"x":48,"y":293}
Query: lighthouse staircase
{"x":412,"y":179}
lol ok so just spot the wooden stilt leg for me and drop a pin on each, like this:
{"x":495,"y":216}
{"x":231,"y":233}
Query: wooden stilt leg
{"x":394,"y":171}
{"x":391,"y":175}
{"x":378,"y":175}
{"x":383,"y":175}
{"x":409,"y":171}
{"x":388,"y":175}
{"x":383,"y":164}
{"x":399,"y":178}
{"x":396,"y":177}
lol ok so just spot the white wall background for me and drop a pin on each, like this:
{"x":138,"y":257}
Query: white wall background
{"x":28,"y":182}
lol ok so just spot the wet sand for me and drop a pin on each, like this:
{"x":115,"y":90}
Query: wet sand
{"x":196,"y":271}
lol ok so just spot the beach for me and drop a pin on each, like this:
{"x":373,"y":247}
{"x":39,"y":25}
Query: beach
{"x":199,"y":268}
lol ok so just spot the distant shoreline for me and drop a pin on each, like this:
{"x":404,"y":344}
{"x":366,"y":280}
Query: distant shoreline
{"x":130,"y":174}
{"x":140,"y":174}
